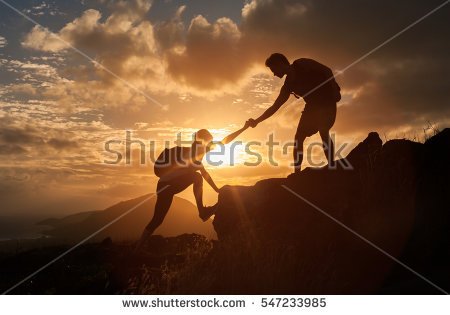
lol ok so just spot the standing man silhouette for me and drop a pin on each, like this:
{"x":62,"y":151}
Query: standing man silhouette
{"x":314,"y":82}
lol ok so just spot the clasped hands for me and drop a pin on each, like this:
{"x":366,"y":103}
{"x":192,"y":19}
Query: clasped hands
{"x":251,"y":123}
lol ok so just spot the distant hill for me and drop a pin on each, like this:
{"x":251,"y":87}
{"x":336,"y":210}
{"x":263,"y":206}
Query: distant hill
{"x":182,"y":218}
{"x":20,"y":227}
{"x":68,"y":220}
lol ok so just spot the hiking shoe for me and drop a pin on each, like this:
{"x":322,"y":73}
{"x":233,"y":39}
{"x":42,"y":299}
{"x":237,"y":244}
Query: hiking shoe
{"x":207,"y":212}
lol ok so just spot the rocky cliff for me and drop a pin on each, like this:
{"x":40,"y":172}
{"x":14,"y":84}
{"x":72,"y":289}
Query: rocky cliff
{"x":347,"y":229}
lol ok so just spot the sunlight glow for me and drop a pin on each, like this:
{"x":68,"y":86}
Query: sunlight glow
{"x":225,"y":155}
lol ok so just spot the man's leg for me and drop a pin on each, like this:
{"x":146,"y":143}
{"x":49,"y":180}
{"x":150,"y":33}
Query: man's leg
{"x":328,"y":146}
{"x":298,"y":151}
{"x":306,"y":128}
{"x":162,"y":206}
{"x":165,"y":196}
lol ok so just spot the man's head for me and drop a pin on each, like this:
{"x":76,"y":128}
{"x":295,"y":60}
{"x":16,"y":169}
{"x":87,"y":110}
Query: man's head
{"x":202,"y":143}
{"x":278,"y":63}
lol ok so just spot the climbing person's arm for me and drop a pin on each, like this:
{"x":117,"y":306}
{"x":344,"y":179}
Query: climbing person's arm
{"x":281,"y":99}
{"x":235,"y":134}
{"x":209,"y":179}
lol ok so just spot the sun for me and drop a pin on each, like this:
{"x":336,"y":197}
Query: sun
{"x":225,"y":155}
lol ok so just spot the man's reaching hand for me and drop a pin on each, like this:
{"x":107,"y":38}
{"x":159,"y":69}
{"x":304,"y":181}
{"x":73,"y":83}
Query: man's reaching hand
{"x":251,"y":122}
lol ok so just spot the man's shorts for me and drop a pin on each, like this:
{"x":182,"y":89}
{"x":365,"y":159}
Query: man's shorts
{"x":316,"y":117}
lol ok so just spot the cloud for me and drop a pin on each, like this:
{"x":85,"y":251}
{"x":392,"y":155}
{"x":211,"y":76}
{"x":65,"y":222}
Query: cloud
{"x":338,"y":32}
{"x":393,"y":96}
{"x":211,"y":56}
{"x":15,"y":140}
{"x":19,"y":136}
{"x":170,"y":34}
{"x":165,"y":57}
{"x":62,"y":144}
{"x":114,"y":43}
{"x":40,"y":38}
{"x":123,"y":43}
{"x":33,"y":132}
{"x":8,"y":149}
{"x":30,"y":74}
{"x":220,"y":56}
{"x":22,"y":88}
{"x":43,"y":8}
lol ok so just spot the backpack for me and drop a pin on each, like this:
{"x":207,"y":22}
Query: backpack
{"x":169,"y":161}
{"x":164,"y":162}
{"x":315,"y":74}
{"x":336,"y":90}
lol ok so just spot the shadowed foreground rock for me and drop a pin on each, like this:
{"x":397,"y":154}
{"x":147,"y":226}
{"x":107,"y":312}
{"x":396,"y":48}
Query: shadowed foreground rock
{"x":280,"y":236}
{"x":396,"y":197}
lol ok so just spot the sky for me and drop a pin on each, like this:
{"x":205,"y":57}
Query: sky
{"x":92,"y":73}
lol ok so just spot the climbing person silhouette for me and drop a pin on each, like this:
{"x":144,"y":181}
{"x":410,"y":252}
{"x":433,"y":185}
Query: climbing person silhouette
{"x":178,"y":168}
{"x":314,"y":82}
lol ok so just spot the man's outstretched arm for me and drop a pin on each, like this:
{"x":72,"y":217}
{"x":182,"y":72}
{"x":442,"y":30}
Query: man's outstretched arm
{"x":235,"y":134}
{"x":281,"y":99}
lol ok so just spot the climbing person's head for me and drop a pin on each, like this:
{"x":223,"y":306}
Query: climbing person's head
{"x":278,"y":63}
{"x":202,"y":141}
{"x":203,"y":136}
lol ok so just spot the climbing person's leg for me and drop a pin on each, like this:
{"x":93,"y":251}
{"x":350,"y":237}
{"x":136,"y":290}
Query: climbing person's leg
{"x":298,"y":151}
{"x":328,"y":146}
{"x":165,"y":192}
{"x":163,"y":201}
{"x":162,"y":206}
{"x":327,"y":119}
{"x":196,"y":179}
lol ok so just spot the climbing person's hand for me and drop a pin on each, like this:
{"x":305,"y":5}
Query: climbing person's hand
{"x":247,"y":124}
